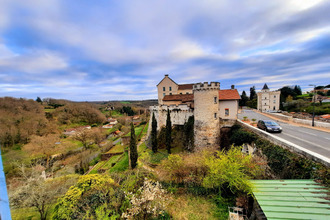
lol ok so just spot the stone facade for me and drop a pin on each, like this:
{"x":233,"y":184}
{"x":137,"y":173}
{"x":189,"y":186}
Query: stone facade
{"x":268,"y":100}
{"x":211,"y":107}
{"x":206,"y":113}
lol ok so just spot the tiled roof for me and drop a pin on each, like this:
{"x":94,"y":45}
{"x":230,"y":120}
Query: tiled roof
{"x":183,"y":98}
{"x":228,"y":94}
{"x":185,"y":86}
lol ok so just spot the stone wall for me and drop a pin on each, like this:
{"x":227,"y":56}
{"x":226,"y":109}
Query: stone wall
{"x":179,"y":115}
{"x":206,"y":112}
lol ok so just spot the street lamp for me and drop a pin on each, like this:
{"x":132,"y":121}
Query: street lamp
{"x":313,"y":103}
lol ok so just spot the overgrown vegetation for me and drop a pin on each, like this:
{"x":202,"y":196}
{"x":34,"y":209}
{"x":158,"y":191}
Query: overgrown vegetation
{"x":282,"y":163}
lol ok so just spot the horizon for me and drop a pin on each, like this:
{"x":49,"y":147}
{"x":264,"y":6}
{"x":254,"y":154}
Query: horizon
{"x":120,"y":51}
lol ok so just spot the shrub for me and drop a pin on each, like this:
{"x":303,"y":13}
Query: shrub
{"x":148,"y":203}
{"x":93,"y":197}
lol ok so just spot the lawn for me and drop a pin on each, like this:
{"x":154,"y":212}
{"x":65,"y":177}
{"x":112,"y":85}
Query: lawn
{"x":121,"y":165}
{"x":115,"y":113}
{"x":145,"y":130}
{"x":97,"y":166}
{"x":113,"y":159}
{"x":186,"y":206}
{"x":117,"y":149}
{"x":137,"y":130}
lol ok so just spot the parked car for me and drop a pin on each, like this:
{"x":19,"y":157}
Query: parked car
{"x":269,"y":125}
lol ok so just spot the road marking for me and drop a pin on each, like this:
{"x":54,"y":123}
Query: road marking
{"x":325,"y":160}
{"x":313,"y":144}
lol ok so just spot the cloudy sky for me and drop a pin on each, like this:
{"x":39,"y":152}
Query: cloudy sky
{"x":119,"y":50}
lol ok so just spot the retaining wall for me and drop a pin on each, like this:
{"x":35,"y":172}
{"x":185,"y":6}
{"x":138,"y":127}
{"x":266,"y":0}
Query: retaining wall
{"x":300,"y":121}
{"x":287,"y":144}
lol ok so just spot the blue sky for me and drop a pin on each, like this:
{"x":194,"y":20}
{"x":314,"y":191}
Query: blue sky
{"x":119,"y":50}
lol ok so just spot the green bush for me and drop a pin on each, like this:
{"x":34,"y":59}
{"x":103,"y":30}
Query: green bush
{"x":93,"y":197}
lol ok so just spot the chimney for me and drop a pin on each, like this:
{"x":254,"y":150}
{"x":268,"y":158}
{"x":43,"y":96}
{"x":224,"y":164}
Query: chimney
{"x":232,"y":86}
{"x":166,"y":75}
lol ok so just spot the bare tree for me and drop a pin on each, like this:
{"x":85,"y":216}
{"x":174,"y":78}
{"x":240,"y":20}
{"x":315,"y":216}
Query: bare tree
{"x":39,"y":193}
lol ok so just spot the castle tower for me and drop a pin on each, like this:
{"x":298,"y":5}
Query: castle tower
{"x":206,"y":113}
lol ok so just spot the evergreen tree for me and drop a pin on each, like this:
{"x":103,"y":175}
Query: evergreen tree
{"x":154,"y":144}
{"x":133,"y":148}
{"x":38,"y":100}
{"x":244,"y":99}
{"x":297,"y":90}
{"x":168,"y":132}
{"x":253,"y":94}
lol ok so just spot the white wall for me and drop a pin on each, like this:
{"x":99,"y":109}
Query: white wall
{"x":232,"y":105}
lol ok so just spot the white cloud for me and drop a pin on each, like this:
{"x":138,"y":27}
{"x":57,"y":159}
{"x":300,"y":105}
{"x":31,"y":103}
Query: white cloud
{"x":36,"y":62}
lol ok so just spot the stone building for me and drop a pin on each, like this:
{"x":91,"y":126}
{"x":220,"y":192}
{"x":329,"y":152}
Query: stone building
{"x":268,"y":100}
{"x":211,"y":107}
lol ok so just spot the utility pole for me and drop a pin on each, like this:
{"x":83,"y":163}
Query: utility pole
{"x":313,"y":104}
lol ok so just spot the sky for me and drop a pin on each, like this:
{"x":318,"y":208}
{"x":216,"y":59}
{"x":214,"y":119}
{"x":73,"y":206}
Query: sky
{"x":120,"y":50}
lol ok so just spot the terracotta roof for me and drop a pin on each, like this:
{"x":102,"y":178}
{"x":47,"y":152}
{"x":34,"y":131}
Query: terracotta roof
{"x":183,"y":97}
{"x":185,"y":86}
{"x":228,"y":94}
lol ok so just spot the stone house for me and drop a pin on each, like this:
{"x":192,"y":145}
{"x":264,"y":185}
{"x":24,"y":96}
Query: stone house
{"x":268,"y":100}
{"x":211,"y":107}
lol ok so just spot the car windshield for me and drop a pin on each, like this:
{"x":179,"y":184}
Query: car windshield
{"x":271,"y":123}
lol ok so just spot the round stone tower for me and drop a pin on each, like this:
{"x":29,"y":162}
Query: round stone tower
{"x":206,"y":113}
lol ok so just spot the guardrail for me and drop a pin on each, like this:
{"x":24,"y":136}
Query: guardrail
{"x":287,"y":144}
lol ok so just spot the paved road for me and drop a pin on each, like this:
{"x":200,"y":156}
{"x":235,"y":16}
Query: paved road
{"x":313,"y":140}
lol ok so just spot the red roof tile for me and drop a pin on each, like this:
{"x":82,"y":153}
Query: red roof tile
{"x":183,"y":98}
{"x":228,"y":94}
{"x":185,"y":86}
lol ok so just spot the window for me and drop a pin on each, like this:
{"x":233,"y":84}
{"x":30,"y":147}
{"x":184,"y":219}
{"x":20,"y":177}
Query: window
{"x":180,"y":93}
{"x":163,"y":88}
{"x":274,"y":96}
{"x":274,"y":101}
{"x":226,"y":111}
{"x":163,"y":94}
{"x":170,"y":88}
{"x":215,"y":100}
{"x":187,"y":92}
{"x":274,"y":108}
{"x":170,"y":93}
{"x":265,"y":97}
{"x":265,"y":103}
{"x":215,"y":115}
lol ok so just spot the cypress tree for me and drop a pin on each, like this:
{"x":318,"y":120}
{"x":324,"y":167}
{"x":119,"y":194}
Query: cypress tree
{"x":154,"y":144}
{"x":244,"y":99}
{"x":168,"y":132}
{"x":253,"y":94}
{"x":132,"y":148}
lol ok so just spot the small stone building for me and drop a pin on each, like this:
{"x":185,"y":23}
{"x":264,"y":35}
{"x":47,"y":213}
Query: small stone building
{"x":268,"y":100}
{"x":211,"y":107}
